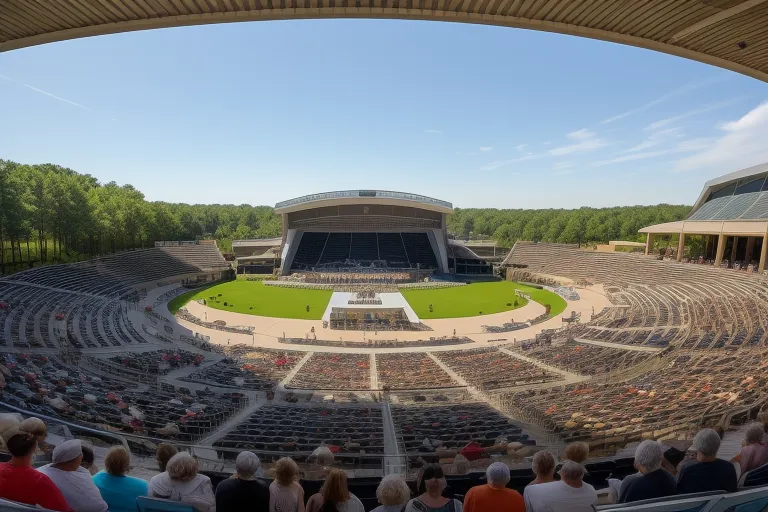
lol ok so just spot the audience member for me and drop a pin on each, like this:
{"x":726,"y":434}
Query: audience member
{"x":117,"y":489}
{"x":543,"y":467}
{"x":393,"y":494}
{"x":494,"y":495}
{"x":763,"y":418}
{"x":88,"y":458}
{"x":754,"y":452}
{"x":20,"y":482}
{"x":164,"y":453}
{"x":577,"y":452}
{"x":334,"y":496}
{"x":324,"y":460}
{"x":243,"y":491}
{"x":73,"y":480}
{"x":431,"y":500}
{"x":570,"y":494}
{"x":653,"y":480}
{"x":707,"y":472}
{"x":181,"y":482}
{"x":285,"y":493}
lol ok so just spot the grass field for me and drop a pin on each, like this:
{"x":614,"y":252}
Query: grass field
{"x":472,"y":299}
{"x":253,"y":298}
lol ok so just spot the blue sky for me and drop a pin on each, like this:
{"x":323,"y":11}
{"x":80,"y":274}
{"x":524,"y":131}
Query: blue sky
{"x":481,"y":116}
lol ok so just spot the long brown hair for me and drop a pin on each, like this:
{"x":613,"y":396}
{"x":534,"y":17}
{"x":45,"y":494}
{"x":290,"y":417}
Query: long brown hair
{"x":334,"y":490}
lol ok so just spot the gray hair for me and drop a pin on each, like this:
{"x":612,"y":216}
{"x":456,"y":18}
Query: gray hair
{"x":706,"y":442}
{"x":247,"y":463}
{"x":649,"y":455}
{"x":324,"y":456}
{"x":754,"y":433}
{"x":572,"y":471}
{"x":182,"y":467}
{"x":393,"y":491}
{"x":497,"y":474}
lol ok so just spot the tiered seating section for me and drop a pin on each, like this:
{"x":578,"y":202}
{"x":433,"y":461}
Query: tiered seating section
{"x":584,"y":358}
{"x":334,"y":371}
{"x":248,"y":368}
{"x":412,"y":370}
{"x":399,"y":250}
{"x":299,"y":429}
{"x":489,"y":368}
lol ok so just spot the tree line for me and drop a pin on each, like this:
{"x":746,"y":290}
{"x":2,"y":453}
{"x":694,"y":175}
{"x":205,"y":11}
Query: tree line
{"x":577,"y":226}
{"x":52,"y":214}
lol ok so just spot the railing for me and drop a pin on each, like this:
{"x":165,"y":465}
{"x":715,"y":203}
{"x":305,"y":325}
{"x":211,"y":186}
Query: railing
{"x":388,"y":194}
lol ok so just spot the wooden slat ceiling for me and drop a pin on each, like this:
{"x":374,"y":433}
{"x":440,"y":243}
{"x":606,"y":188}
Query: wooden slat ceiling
{"x":732,"y":34}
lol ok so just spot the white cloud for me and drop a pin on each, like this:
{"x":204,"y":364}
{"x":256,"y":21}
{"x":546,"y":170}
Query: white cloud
{"x":496,"y":164}
{"x":563,"y":172}
{"x":78,"y":105}
{"x":432,"y":131}
{"x":486,"y":148}
{"x":562,"y":165}
{"x":666,"y":97}
{"x":709,"y":108}
{"x":685,"y":146}
{"x":521,"y":147}
{"x":743,"y":143}
{"x":585,"y":140}
{"x":657,"y":139}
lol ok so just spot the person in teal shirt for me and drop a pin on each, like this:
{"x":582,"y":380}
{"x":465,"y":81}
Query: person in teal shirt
{"x":117,"y":489}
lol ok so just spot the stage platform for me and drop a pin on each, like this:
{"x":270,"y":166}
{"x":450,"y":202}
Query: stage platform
{"x":388,"y":301}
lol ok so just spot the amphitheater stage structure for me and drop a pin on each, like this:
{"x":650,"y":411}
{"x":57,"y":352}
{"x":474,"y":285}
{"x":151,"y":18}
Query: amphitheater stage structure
{"x":729,"y":221}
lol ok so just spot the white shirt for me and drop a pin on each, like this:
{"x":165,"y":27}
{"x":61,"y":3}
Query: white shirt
{"x":77,"y":487}
{"x":560,"y":497}
{"x":198,"y":492}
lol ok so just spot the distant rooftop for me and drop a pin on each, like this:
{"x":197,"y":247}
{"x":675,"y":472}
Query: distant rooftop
{"x":364,"y":194}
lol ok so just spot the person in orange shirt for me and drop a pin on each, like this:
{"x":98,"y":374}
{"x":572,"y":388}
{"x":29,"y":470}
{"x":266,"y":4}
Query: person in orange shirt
{"x":494,"y":496}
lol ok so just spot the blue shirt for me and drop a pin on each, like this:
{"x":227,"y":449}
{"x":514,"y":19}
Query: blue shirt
{"x":120,"y":492}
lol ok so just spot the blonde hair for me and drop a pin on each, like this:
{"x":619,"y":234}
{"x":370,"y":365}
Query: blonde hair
{"x":182,"y":467}
{"x":286,"y":471}
{"x":393,"y":491}
{"x":543,"y":463}
{"x":117,"y":461}
{"x":335,"y":487}
{"x":577,"y":452}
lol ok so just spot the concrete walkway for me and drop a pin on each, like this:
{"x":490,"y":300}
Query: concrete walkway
{"x":394,"y":461}
{"x":374,"y":372}
{"x":231,"y":423}
{"x":447,"y":369}
{"x":288,"y":378}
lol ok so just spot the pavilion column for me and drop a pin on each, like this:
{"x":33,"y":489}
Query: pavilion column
{"x":681,"y":247}
{"x":648,"y":244}
{"x":733,"y":250}
{"x":750,"y":248}
{"x":763,"y":254}
{"x":720,"y":250}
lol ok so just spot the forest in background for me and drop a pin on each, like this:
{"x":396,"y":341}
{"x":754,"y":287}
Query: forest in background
{"x":52,"y":214}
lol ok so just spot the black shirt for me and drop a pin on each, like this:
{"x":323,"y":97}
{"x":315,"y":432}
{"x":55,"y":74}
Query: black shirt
{"x":235,"y":495}
{"x":656,"y":484}
{"x":718,"y":475}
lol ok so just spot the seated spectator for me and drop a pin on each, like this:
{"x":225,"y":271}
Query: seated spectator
{"x":577,"y":452}
{"x":164,"y":453}
{"x":431,"y":498}
{"x":570,"y":494}
{"x":393,"y":494}
{"x":73,"y":480}
{"x":763,"y":418}
{"x":335,"y":495}
{"x":88,"y":458}
{"x":494,"y":495}
{"x":20,"y":482}
{"x":653,"y":480}
{"x":117,"y":489}
{"x":285,"y":493}
{"x":243,"y":491}
{"x":707,"y":472}
{"x":324,"y":459}
{"x":181,"y":482}
{"x":754,"y":452}
{"x":543,"y":467}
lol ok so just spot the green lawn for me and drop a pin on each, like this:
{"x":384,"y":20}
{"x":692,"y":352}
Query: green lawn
{"x":472,"y":299}
{"x":253,"y":298}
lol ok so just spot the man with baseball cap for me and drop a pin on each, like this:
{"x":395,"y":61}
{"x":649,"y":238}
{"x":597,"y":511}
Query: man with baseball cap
{"x":74,"y":481}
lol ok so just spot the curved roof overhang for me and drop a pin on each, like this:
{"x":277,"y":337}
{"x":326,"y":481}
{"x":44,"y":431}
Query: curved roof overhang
{"x":726,"y":33}
{"x":344,"y":197}
{"x":710,"y":227}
